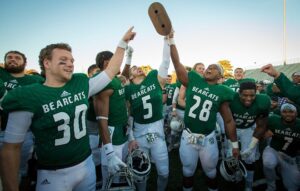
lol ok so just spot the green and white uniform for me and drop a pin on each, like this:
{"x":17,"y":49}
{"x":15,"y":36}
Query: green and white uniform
{"x":202,"y":104}
{"x":245,"y":117}
{"x":285,"y":138}
{"x":10,"y":82}
{"x":58,"y":121}
{"x":146,"y":108}
{"x":145,"y":99}
{"x":170,"y":91}
{"x":245,"y":120}
{"x":203,"y":101}
{"x":282,"y":152}
{"x":117,"y":124}
{"x":235,"y":84}
{"x":117,"y":116}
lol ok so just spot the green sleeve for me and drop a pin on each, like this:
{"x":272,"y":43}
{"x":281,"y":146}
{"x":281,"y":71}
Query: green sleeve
{"x":13,"y":101}
{"x":288,"y":89}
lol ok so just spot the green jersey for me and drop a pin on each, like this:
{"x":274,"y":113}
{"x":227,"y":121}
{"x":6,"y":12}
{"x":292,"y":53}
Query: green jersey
{"x":170,"y":88}
{"x":117,"y":116}
{"x":58,"y":121}
{"x":245,"y":117}
{"x":203,"y":102}
{"x":235,"y":84}
{"x":10,"y":82}
{"x":145,"y":99}
{"x":286,"y":138}
{"x":288,"y":88}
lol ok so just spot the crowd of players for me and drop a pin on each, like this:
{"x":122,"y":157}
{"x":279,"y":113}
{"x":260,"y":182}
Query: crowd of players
{"x":83,"y":127}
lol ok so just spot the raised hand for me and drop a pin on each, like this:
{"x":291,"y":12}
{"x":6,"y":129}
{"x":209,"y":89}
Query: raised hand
{"x":129,"y":35}
{"x":270,"y":70}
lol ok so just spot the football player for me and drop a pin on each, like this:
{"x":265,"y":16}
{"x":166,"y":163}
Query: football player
{"x":287,"y":87}
{"x":13,"y":76}
{"x":55,"y":112}
{"x":144,"y":95}
{"x":239,"y":77}
{"x":111,"y":114}
{"x":204,"y":98}
{"x":284,"y":149}
{"x":250,"y":112}
{"x":93,"y":131}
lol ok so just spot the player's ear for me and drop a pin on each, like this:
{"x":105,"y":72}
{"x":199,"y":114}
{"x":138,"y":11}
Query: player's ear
{"x":46,"y":63}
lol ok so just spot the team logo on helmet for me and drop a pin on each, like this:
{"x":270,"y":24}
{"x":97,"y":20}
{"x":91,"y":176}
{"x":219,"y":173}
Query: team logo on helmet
{"x":233,"y":170}
{"x":139,"y":165}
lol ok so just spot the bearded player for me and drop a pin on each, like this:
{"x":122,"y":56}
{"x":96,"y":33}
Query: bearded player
{"x":13,"y":76}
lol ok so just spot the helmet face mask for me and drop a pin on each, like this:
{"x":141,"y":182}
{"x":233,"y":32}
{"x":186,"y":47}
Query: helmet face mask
{"x":139,"y":165}
{"x":233,"y":170}
{"x":124,"y":175}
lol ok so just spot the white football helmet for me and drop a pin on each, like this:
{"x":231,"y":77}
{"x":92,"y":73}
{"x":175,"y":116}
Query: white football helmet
{"x":176,"y":124}
{"x":125,"y":177}
{"x":233,"y":170}
{"x":139,"y":165}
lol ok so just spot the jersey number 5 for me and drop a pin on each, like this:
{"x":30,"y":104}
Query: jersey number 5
{"x":147,"y":106}
{"x":80,"y":110}
{"x":205,"y":111}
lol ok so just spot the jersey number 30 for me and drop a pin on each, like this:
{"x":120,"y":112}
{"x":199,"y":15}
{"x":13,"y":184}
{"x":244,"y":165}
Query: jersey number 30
{"x":205,"y":111}
{"x":80,"y":110}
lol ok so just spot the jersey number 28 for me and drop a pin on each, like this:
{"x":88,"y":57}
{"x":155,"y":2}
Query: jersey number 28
{"x":205,"y":111}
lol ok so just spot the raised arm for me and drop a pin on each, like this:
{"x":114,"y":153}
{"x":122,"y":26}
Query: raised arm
{"x":287,"y":88}
{"x":113,"y":67}
{"x":126,"y":69}
{"x":179,"y":68}
{"x":164,"y":66}
{"x":116,"y":61}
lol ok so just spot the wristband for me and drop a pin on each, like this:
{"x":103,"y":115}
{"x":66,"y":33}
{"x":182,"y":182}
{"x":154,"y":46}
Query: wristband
{"x":122,"y":44}
{"x":235,"y":145}
{"x":171,"y":41}
{"x":101,"y":117}
{"x":174,"y":109}
{"x":108,"y":148}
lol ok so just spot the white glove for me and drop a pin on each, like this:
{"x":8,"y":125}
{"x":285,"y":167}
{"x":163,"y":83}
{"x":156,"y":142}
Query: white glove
{"x":251,"y":148}
{"x":129,"y":129}
{"x":114,"y":164}
{"x":129,"y":52}
{"x":246,"y":153}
